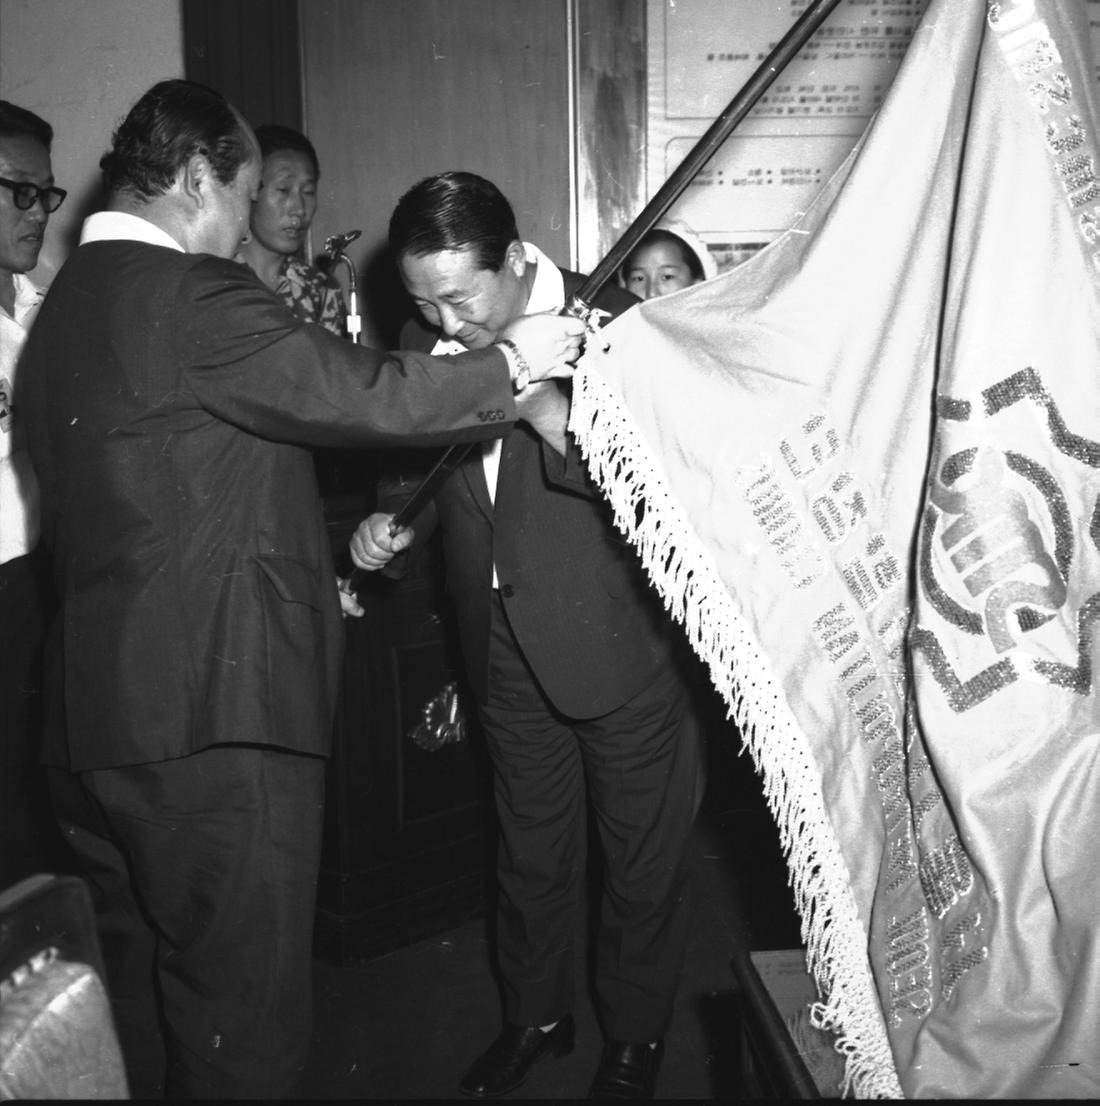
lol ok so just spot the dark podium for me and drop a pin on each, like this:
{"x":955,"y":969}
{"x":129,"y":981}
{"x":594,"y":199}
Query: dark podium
{"x":407,"y":825}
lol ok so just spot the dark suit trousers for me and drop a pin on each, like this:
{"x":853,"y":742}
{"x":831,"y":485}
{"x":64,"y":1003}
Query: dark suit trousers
{"x":204,"y":871}
{"x":29,"y":841}
{"x":643,"y":767}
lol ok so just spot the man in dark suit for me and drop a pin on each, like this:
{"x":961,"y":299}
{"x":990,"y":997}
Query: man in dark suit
{"x":575,"y":667}
{"x":171,"y":399}
{"x":28,"y":197}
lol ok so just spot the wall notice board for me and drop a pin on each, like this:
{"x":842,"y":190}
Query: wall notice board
{"x":701,"y":52}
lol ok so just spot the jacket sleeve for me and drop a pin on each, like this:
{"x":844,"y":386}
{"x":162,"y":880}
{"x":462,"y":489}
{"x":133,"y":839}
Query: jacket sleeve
{"x":250,"y":361}
{"x":568,"y":473}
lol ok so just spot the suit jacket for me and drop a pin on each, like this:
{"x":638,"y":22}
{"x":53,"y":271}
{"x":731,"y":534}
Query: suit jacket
{"x":170,"y":398}
{"x":590,"y":626}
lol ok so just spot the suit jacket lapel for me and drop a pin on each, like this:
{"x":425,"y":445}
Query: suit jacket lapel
{"x":417,"y":336}
{"x":472,"y":471}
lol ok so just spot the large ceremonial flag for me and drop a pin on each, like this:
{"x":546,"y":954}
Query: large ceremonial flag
{"x":863,"y":469}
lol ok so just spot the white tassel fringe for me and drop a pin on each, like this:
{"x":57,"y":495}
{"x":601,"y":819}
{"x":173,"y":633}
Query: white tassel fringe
{"x":693,"y":592}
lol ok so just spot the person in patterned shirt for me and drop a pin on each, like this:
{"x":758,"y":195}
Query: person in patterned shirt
{"x":281,"y":216}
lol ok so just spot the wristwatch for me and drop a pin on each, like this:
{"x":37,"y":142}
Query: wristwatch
{"x":518,"y":368}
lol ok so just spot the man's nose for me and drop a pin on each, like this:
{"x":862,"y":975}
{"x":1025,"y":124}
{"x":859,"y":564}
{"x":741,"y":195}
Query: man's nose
{"x":449,"y":322}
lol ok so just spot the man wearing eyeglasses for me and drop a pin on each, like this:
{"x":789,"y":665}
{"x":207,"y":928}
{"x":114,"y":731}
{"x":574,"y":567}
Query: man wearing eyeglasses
{"x":27,"y":198}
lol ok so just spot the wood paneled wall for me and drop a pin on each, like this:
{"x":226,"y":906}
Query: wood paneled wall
{"x":393,"y":90}
{"x":397,"y":91}
{"x":611,"y":121}
{"x":249,"y":51}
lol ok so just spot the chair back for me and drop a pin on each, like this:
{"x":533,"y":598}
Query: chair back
{"x":57,"y":1035}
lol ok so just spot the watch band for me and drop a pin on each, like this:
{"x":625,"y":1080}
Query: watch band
{"x":518,"y":368}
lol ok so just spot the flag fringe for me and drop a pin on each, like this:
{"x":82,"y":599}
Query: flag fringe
{"x":685,"y":576}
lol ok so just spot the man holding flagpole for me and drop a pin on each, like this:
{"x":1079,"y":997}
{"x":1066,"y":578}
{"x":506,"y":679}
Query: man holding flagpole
{"x":576,"y":672}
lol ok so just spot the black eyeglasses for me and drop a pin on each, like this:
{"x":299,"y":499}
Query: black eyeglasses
{"x":26,"y":195}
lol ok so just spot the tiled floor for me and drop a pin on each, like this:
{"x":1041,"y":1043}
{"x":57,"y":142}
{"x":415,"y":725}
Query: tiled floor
{"x":407,"y":1025}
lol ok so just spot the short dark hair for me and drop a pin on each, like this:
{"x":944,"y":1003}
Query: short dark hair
{"x":274,"y":137}
{"x":17,"y":122}
{"x":454,"y":211}
{"x":172,"y":122}
{"x":670,"y":238}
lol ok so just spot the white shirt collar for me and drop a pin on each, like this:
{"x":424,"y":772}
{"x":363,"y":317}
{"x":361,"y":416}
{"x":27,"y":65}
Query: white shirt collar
{"x":28,"y":297}
{"x":548,"y":290}
{"x":111,"y":226}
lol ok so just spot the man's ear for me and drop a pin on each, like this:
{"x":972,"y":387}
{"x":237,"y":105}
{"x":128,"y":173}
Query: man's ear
{"x":516,"y":257}
{"x":195,"y":179}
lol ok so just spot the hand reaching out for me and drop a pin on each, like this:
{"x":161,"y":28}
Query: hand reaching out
{"x":550,"y":344}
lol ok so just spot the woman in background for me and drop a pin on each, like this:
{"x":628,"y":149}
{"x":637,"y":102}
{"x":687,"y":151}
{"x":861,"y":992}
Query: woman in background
{"x":279,"y":223}
{"x":668,"y":257}
{"x":281,"y":217}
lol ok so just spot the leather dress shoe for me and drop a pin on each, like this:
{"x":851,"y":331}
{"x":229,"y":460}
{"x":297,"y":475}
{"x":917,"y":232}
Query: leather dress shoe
{"x":627,"y":1071}
{"x":506,"y":1063}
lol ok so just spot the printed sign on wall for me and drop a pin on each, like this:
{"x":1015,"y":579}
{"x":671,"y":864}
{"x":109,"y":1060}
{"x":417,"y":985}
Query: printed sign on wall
{"x":701,"y":52}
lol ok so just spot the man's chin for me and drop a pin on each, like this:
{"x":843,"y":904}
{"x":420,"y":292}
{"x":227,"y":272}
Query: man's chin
{"x":26,"y":260}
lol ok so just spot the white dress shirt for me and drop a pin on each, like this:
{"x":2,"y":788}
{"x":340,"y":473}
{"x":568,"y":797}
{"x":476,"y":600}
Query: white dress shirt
{"x":19,"y":520}
{"x":547,"y":294}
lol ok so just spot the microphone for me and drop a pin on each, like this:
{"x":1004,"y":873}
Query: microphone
{"x":334,"y":247}
{"x":337,"y":242}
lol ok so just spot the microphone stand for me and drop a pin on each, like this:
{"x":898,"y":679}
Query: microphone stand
{"x":334,"y":247}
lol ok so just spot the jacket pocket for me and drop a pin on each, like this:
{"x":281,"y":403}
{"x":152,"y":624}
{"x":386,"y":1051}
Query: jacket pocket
{"x":292,"y":581}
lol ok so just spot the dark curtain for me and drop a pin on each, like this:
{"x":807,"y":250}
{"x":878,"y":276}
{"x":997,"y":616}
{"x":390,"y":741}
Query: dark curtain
{"x":249,"y":51}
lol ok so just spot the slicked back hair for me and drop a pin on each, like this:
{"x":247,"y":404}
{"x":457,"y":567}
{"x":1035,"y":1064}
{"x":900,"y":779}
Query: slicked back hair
{"x":454,"y":211}
{"x":170,"y":124}
{"x":17,"y":122}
